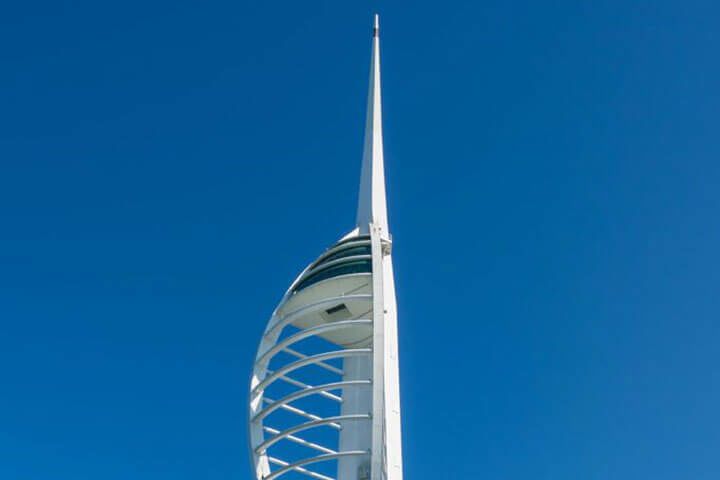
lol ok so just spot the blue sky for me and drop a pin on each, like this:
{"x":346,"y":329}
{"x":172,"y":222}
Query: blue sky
{"x":167,"y":168}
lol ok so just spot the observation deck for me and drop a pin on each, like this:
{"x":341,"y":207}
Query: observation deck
{"x":313,"y":371}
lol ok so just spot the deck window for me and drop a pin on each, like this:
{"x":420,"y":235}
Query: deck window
{"x":346,"y":268}
{"x":348,"y":252}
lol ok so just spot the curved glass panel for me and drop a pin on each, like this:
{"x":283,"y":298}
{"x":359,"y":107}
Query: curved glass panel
{"x":354,"y":266}
{"x":348,"y":252}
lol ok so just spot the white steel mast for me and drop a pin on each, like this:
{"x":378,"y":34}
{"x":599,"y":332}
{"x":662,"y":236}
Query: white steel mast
{"x":326,"y":373}
{"x":372,"y":205}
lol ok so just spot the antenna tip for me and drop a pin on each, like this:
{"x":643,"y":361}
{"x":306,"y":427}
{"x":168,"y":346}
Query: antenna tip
{"x":376,"y":27}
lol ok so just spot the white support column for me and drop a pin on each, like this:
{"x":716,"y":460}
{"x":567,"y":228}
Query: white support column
{"x":393,"y":434}
{"x":356,"y":435}
{"x":378,"y":357}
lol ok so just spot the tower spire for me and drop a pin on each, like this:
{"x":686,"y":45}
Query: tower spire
{"x":372,"y":206}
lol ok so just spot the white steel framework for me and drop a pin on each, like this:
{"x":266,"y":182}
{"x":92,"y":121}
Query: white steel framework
{"x":324,"y":393}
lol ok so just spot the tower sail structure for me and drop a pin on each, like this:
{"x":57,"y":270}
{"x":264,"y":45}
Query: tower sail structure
{"x":324,"y":392}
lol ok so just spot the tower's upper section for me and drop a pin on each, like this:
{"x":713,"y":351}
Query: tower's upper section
{"x":372,"y":207}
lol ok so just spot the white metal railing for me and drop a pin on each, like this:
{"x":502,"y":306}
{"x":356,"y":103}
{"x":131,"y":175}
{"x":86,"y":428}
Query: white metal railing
{"x":301,"y":441}
{"x":319,"y":458}
{"x":304,"y":471}
{"x":304,"y":393}
{"x":307,"y":426}
{"x":302,"y":413}
{"x":300,"y":384}
{"x":324,"y":365}
{"x":313,"y":359}
{"x":310,"y":332}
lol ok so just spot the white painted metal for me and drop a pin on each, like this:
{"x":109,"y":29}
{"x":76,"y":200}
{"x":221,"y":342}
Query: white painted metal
{"x":372,"y":206}
{"x":297,"y":383}
{"x":305,"y":426}
{"x":304,"y":471}
{"x":319,"y":458}
{"x":298,"y":440}
{"x":305,"y":392}
{"x":340,"y":318}
{"x":302,"y":413}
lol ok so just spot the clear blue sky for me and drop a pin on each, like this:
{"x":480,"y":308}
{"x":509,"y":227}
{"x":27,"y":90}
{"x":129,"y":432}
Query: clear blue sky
{"x":167,"y":168}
